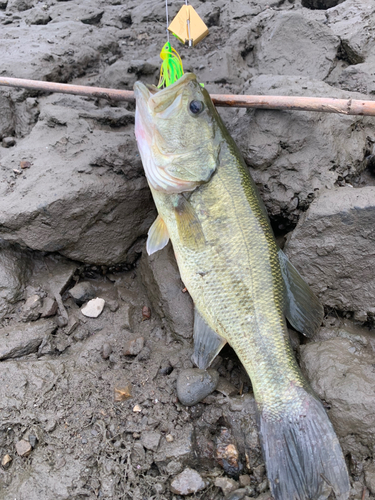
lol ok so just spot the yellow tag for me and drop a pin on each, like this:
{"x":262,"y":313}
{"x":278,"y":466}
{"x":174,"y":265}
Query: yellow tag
{"x":188,"y":26}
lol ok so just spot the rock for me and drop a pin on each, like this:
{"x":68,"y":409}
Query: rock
{"x":82,"y":292}
{"x":93,"y":308}
{"x":31,"y":309}
{"x":150,"y":440}
{"x":15,"y":269}
{"x":180,"y":450}
{"x":226,"y":388}
{"x":106,"y":350}
{"x":23,"y":339}
{"x":73,"y":206}
{"x":187,"y":482}
{"x":8,"y":142}
{"x":23,"y":448}
{"x":272,"y":35}
{"x":341,"y":373}
{"x":6,"y":461}
{"x":128,"y":313}
{"x":332,"y":247}
{"x":244,"y":480}
{"x":353,"y":22}
{"x":49,"y":307}
{"x":284,"y":148}
{"x":226,"y":484}
{"x":162,"y":280}
{"x":134,"y":346}
{"x":194,"y":384}
{"x":238,"y":494}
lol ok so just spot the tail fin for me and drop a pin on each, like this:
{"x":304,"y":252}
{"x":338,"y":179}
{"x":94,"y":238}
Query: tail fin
{"x":302,"y":453}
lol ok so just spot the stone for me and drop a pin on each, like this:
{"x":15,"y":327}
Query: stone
{"x":194,"y":384}
{"x":6,"y":461}
{"x":8,"y":142}
{"x":272,"y":35}
{"x":181,"y":449}
{"x":128,"y":313}
{"x":134,"y":346}
{"x":226,"y":388}
{"x":31,"y":309}
{"x":238,"y":494}
{"x":49,"y":307}
{"x":341,"y":372}
{"x":150,"y":440}
{"x":106,"y":350}
{"x":332,"y":247}
{"x":82,"y":292}
{"x":187,"y":482}
{"x":226,"y":484}
{"x":353,"y":22}
{"x":93,"y":199}
{"x":23,"y":448}
{"x":22,"y":339}
{"x":284,"y":148}
{"x":162,"y":280}
{"x":93,"y":308}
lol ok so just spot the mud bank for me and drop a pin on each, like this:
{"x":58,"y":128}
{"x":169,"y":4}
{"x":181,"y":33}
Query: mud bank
{"x":88,"y":406}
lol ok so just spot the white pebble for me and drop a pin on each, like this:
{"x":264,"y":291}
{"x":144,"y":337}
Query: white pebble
{"x":93,"y":308}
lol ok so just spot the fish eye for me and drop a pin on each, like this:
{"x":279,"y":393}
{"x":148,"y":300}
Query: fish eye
{"x":196,"y":107}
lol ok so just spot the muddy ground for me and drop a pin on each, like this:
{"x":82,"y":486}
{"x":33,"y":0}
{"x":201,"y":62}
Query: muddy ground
{"x":88,"y":406}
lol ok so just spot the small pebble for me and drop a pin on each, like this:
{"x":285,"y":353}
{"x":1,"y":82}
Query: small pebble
{"x":5,"y":461}
{"x":93,"y":308}
{"x":25,"y":164}
{"x":137,"y":409}
{"x":169,"y":438}
{"x":134,"y":346}
{"x":194,"y":384}
{"x":8,"y":142}
{"x":146,"y":313}
{"x":226,"y":484}
{"x":23,"y":448}
{"x":244,"y":480}
{"x":150,"y":440}
{"x":187,"y":482}
{"x":239,"y":494}
{"x":226,"y":388}
{"x":82,"y":292}
{"x":106,"y":350}
{"x":49,"y":307}
{"x":33,"y":440}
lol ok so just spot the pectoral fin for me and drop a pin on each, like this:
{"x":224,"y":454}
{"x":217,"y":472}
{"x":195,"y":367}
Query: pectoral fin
{"x":207,"y":343}
{"x":302,"y":308}
{"x":158,"y":236}
{"x":189,"y":227}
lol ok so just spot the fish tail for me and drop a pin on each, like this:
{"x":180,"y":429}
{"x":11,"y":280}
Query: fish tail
{"x":303,"y":456}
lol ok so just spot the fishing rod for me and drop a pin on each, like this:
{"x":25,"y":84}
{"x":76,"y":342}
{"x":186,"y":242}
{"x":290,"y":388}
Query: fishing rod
{"x":298,"y":103}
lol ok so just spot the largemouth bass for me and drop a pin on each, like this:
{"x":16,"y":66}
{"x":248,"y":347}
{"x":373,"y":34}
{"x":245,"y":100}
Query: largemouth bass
{"x":242,"y":285}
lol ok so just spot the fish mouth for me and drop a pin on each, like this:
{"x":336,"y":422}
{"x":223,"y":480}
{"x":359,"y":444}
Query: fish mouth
{"x":154,"y":97}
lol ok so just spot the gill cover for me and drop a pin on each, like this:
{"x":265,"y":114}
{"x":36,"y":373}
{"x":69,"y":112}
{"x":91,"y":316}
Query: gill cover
{"x":177,"y":137}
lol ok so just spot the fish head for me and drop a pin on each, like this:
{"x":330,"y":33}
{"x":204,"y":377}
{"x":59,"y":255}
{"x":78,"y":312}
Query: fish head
{"x":177,"y":134}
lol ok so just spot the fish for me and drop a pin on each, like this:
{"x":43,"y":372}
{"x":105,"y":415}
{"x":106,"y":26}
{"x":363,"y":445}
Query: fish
{"x":242,"y":285}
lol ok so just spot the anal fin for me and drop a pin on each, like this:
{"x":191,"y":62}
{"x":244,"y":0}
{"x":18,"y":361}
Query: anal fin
{"x":302,"y":308}
{"x":207,"y":343}
{"x":158,"y":236}
{"x":189,"y":227}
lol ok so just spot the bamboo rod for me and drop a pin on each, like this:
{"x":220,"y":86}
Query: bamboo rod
{"x":321,"y":104}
